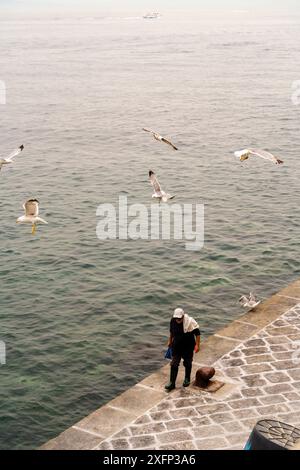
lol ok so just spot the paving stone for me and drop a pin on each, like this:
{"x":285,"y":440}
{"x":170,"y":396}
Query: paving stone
{"x":238,"y":331}
{"x":262,"y":334}
{"x":277,"y":377}
{"x":214,"y":443}
{"x":222,"y":417}
{"x":250,"y":423}
{"x":240,"y":439}
{"x":122,"y":434}
{"x":201,"y":421}
{"x":285,"y":330}
{"x":105,"y":445}
{"x":251,"y":343}
{"x":295,"y":373}
{"x":184,"y":413}
{"x":279,"y":348}
{"x":187,"y":445}
{"x":165,"y":405}
{"x":210,"y":409}
{"x":234,"y":362}
{"x":284,"y":365}
{"x":120,"y":444}
{"x":143,"y":420}
{"x":294,"y":337}
{"x":186,"y":402}
{"x":280,"y":323}
{"x":293,"y":346}
{"x":152,"y":428}
{"x":73,"y":439}
{"x":233,"y":372}
{"x":272,"y":399}
{"x":142,"y":442}
{"x":294,"y":405}
{"x":294,"y":321}
{"x":280,"y":356}
{"x":207,"y":431}
{"x":278,"y":340}
{"x":235,"y":354}
{"x":235,"y":447}
{"x":289,"y":418}
{"x":254,"y":380}
{"x":160,"y":415}
{"x":252,"y":392}
{"x":255,"y":351}
{"x":292,"y":396}
{"x":242,"y":414}
{"x":175,"y":436}
{"x":278,"y":388}
{"x":179,"y":424}
{"x":256,"y":368}
{"x":296,"y":385}
{"x":272,"y":409}
{"x":236,"y":395}
{"x":233,"y":427}
{"x":257,"y":359}
{"x":245,"y":403}
{"x":106,"y":421}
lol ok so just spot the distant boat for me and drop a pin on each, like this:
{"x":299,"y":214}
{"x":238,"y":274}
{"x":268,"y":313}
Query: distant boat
{"x":152,"y":16}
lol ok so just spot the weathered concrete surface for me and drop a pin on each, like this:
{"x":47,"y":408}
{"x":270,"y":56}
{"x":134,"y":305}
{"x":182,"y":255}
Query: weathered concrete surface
{"x":258,"y":358}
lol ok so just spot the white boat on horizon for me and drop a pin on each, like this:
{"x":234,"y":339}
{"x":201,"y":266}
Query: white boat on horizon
{"x":152,"y":16}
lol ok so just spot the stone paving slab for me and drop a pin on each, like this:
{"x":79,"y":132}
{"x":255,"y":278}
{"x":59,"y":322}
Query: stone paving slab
{"x":256,"y":357}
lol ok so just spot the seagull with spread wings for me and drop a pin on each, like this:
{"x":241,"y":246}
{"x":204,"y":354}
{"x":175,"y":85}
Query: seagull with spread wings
{"x":31,"y":208}
{"x":249,"y":302}
{"x":9,"y":159}
{"x":160,"y":138}
{"x":246,"y":153}
{"x":158,"y":192}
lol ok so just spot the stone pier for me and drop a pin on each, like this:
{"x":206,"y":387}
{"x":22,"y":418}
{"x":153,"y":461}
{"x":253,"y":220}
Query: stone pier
{"x":257,"y":356}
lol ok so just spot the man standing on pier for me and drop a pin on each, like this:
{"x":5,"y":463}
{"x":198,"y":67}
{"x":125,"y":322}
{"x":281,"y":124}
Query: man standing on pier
{"x":184,"y":340}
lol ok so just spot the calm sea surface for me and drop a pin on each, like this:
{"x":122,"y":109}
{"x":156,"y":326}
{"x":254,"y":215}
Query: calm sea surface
{"x":85,"y":319}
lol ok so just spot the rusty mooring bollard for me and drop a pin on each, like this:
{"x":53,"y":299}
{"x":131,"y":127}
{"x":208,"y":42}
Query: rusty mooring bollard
{"x":203,"y":376}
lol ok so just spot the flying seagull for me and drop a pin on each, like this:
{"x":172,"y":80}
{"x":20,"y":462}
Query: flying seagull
{"x":160,"y":138}
{"x":158,"y":192}
{"x":249,"y":302}
{"x":246,"y":153}
{"x":31,"y":208}
{"x":9,"y":159}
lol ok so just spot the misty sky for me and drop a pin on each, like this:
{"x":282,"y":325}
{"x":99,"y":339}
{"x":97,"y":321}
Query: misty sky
{"x":147,"y":4}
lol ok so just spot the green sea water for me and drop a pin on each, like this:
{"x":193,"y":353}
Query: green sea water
{"x":85,"y":319}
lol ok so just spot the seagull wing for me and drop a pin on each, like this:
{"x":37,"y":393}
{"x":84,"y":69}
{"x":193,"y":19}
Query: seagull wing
{"x":15,"y":153}
{"x":154,"y":182}
{"x":243,"y":300}
{"x":240,"y":153}
{"x":252,"y":297}
{"x":266,"y":155}
{"x":31,"y":208}
{"x":149,"y":130}
{"x":166,"y":141}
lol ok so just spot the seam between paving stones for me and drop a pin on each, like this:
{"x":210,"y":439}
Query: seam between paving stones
{"x":86,"y":431}
{"x":227,"y":337}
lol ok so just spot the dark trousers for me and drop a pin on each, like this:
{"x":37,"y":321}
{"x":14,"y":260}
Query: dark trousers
{"x":187,"y":357}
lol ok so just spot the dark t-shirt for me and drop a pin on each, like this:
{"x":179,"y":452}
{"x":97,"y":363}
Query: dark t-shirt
{"x":182,"y":341}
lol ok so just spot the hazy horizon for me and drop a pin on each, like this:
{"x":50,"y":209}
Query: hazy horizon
{"x":71,"y":6}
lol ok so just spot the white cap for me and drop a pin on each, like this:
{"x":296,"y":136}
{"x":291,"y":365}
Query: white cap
{"x":178,"y":313}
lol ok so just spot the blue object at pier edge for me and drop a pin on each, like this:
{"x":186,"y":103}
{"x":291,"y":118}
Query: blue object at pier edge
{"x":169,"y":353}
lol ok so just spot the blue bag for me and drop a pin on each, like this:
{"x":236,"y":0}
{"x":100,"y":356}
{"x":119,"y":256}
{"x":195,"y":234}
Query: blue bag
{"x":169,"y":353}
